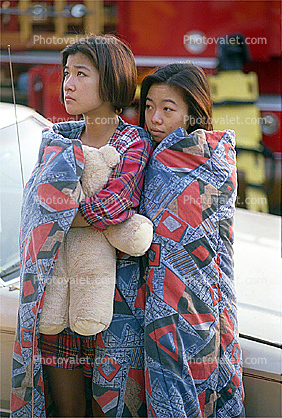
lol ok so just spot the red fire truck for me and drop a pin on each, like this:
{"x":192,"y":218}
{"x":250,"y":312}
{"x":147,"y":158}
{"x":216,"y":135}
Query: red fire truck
{"x":161,"y":32}
{"x":158,"y":32}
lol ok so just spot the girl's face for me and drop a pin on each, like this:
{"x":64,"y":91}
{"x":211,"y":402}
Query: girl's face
{"x":166,"y":110}
{"x":81,"y":86}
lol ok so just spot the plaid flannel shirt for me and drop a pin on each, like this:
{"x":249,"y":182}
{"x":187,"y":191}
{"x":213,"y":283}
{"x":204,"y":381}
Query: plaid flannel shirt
{"x":120,"y":197}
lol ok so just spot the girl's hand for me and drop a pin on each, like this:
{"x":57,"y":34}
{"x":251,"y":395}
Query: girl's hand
{"x":79,"y":221}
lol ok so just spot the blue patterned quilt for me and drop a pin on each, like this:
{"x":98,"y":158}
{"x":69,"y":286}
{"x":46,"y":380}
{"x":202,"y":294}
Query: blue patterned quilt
{"x":50,"y":202}
{"x":172,"y":349}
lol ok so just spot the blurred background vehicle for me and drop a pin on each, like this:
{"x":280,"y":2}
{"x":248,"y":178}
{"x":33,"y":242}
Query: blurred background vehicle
{"x":30,"y":125}
{"x":245,"y":79}
{"x":258,"y":267}
{"x":158,"y":33}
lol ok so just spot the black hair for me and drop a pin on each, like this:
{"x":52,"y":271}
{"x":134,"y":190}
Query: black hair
{"x":191,"y":80}
{"x":116,"y":65}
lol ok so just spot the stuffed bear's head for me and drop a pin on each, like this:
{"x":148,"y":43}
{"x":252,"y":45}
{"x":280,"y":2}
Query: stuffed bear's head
{"x":98,"y":166}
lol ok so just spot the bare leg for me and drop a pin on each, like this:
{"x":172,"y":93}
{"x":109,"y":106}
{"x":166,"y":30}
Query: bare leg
{"x":68,"y":391}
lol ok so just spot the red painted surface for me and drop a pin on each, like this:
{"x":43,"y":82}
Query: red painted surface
{"x":44,"y":87}
{"x":157,"y":28}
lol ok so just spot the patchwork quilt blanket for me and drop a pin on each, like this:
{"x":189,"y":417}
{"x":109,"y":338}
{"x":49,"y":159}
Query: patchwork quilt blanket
{"x":49,"y":205}
{"x":172,"y":349}
{"x":192,"y":353}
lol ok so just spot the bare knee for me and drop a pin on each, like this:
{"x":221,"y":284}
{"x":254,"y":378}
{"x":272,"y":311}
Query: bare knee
{"x":68,"y":391}
{"x":71,"y":409}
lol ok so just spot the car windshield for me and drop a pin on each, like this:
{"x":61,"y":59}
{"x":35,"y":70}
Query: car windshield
{"x":12,"y":186}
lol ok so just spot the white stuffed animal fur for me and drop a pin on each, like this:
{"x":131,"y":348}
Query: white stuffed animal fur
{"x":81,"y":290}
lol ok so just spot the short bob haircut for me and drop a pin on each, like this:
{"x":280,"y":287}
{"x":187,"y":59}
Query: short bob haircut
{"x":191,"y":80}
{"x":116,"y":65}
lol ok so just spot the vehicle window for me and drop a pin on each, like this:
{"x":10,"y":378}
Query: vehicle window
{"x":11,"y":183}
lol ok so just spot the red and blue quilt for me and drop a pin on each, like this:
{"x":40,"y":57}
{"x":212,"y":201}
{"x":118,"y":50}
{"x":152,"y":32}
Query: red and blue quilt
{"x":50,"y":202}
{"x":172,"y":349}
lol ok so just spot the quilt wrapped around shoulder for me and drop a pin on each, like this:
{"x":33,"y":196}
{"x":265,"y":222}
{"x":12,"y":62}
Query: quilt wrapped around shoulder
{"x":172,"y":348}
{"x":192,"y":353}
{"x":50,"y":202}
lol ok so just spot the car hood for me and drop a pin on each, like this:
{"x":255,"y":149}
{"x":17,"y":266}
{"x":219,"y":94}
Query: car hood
{"x":258,"y":267}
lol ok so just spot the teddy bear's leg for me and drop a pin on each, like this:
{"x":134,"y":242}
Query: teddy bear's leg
{"x":92,"y":282}
{"x":133,"y":236}
{"x":54,"y":315}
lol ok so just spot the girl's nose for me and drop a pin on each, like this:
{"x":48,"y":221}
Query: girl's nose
{"x":156,"y":117}
{"x":69,"y":84}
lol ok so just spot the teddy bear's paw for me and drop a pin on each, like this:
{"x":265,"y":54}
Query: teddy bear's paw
{"x":51,"y":329}
{"x":110,"y":155}
{"x":143,"y":239}
{"x":85,"y":327}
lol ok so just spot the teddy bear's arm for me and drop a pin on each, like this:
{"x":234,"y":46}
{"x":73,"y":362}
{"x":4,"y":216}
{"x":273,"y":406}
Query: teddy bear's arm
{"x":133,"y":236}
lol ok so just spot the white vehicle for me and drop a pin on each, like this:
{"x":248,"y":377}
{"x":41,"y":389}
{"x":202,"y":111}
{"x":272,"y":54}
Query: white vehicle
{"x":258,"y":267}
{"x":12,"y":178}
{"x":258,"y":275}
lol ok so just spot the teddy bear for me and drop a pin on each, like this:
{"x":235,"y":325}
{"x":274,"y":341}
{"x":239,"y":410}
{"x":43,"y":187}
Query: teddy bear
{"x":81,"y":289}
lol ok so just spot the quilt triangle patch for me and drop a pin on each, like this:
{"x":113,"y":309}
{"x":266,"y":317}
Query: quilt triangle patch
{"x":166,"y":339}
